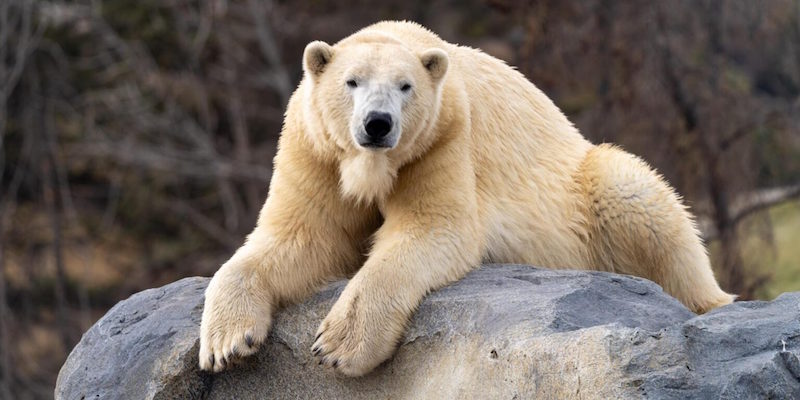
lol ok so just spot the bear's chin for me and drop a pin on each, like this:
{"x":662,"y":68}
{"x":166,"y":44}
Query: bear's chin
{"x":367,"y":176}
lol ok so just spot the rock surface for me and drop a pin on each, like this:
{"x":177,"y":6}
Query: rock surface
{"x":503,"y":332}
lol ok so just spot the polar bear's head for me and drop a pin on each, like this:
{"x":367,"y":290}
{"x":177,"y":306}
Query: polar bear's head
{"x":373,"y":99}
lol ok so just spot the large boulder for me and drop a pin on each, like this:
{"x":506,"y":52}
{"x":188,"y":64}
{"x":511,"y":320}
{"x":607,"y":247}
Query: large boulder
{"x":504,"y":331}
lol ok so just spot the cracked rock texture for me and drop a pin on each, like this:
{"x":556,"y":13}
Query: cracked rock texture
{"x":503,"y":332}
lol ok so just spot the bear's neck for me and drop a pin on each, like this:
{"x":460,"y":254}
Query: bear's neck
{"x":367,"y":177}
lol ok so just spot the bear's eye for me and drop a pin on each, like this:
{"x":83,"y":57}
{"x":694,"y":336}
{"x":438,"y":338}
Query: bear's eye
{"x":406,"y":87}
{"x":352,"y":83}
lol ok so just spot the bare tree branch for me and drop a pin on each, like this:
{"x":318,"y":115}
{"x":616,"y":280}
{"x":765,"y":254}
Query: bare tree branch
{"x":269,"y":48}
{"x":151,"y":159}
{"x":14,"y":14}
{"x":205,"y":224}
{"x":749,"y":203}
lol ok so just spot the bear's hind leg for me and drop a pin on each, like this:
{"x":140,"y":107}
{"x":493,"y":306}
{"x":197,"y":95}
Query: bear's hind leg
{"x":639,"y":226}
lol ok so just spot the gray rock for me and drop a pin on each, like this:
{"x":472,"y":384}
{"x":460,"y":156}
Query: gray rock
{"x":502,"y":332}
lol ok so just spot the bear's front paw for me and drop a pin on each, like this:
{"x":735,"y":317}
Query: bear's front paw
{"x":236,"y":321}
{"x":358,"y":334}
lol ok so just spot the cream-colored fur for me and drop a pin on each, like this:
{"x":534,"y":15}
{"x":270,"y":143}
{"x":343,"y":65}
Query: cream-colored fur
{"x":486,"y":167}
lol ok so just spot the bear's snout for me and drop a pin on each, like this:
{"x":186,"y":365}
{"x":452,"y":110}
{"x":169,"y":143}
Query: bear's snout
{"x":377,"y":124}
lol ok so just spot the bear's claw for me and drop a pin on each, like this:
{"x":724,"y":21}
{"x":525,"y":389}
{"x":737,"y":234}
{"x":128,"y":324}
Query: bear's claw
{"x":349,"y":350}
{"x":231,"y":328}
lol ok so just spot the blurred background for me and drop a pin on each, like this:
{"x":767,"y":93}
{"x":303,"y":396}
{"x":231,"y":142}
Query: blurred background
{"x":137,"y":136}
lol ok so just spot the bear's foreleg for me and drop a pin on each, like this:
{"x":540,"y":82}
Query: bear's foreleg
{"x":428,"y":239}
{"x":306,"y":236}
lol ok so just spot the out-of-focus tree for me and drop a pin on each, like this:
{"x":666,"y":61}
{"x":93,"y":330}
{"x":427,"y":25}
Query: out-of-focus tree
{"x":19,"y":35}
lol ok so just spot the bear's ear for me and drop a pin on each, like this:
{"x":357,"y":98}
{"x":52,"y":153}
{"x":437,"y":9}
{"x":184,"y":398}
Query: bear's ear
{"x":436,"y":62}
{"x":316,"y":56}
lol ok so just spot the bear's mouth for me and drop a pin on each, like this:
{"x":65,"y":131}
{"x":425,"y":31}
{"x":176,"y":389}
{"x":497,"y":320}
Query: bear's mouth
{"x":374,"y":145}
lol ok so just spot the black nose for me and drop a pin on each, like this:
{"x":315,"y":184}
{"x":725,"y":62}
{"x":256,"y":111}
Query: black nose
{"x":378,"y":124}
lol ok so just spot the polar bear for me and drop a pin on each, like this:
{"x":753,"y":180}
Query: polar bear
{"x":404,"y":162}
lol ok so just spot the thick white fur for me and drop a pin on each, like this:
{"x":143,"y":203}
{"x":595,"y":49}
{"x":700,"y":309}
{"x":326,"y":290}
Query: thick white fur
{"x":367,"y":176}
{"x":486,"y":168}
